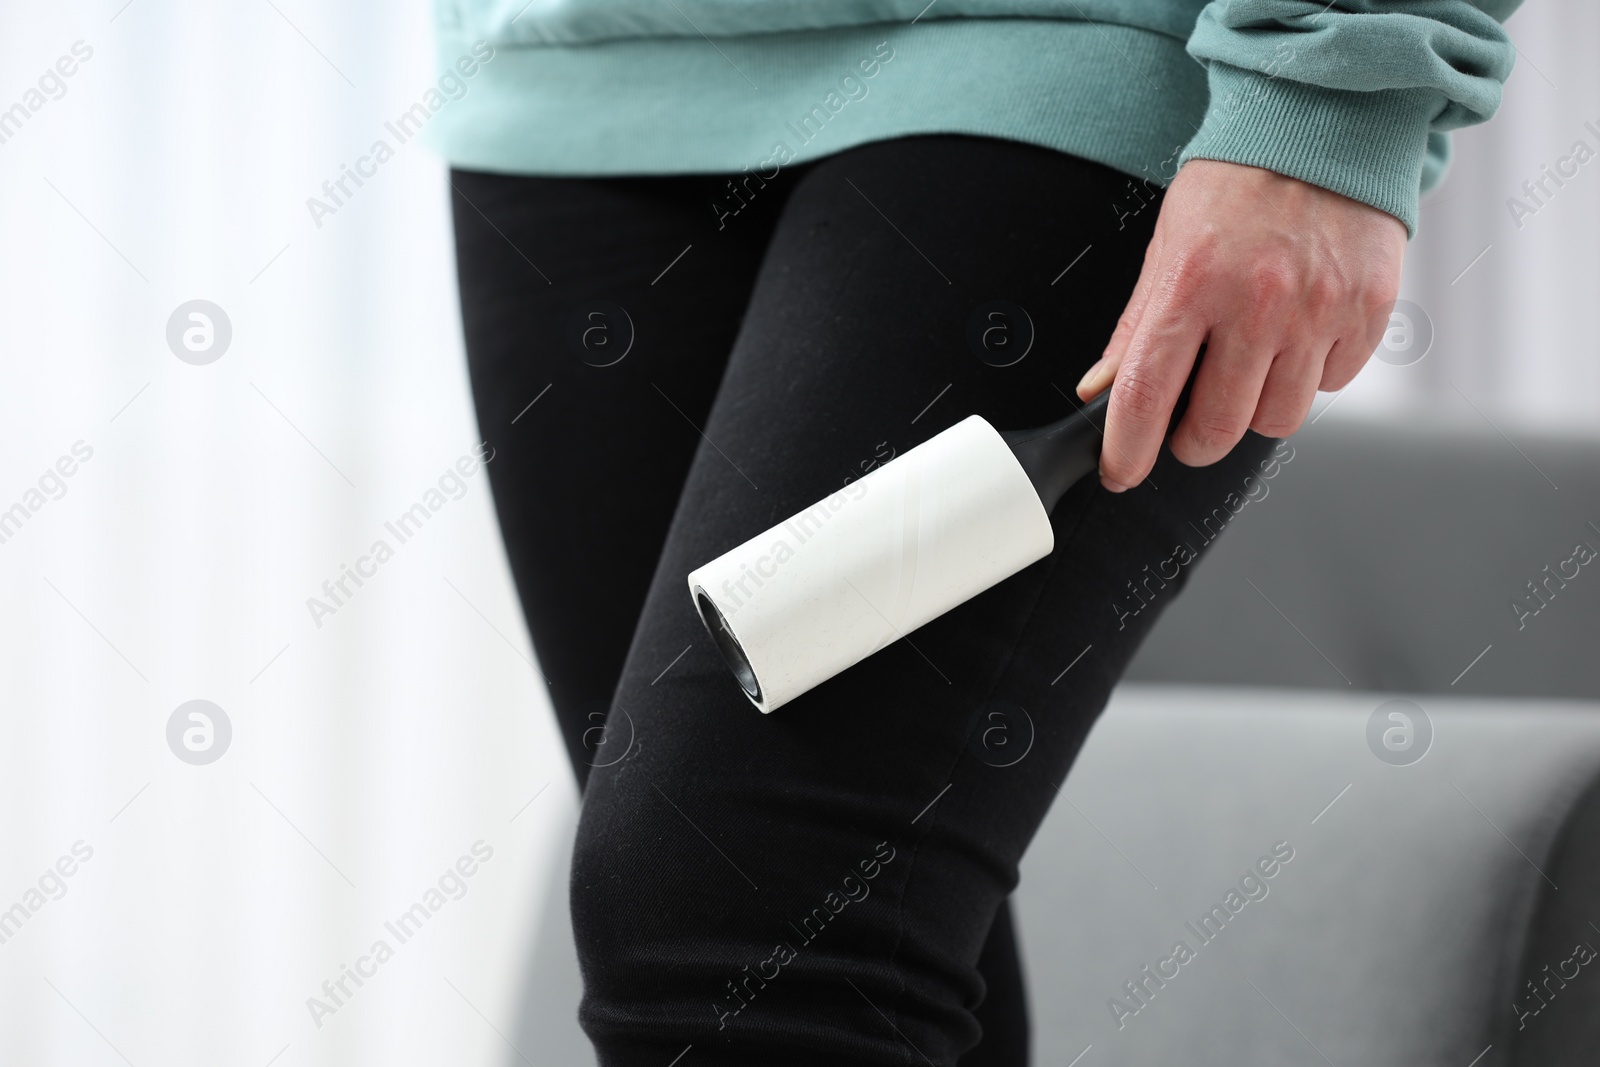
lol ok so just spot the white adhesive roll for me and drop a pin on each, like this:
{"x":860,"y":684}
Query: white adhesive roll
{"x":792,"y":607}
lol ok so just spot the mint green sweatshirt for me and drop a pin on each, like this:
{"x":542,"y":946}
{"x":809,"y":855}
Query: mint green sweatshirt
{"x":1356,"y":96}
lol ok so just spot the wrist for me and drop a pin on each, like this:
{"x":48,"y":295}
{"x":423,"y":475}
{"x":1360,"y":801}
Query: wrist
{"x":1367,"y":146}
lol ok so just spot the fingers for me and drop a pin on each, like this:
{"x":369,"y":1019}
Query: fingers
{"x":1225,"y":394}
{"x":1148,"y":380}
{"x":1288,"y":392}
{"x":1361,"y":337}
{"x":1344,"y":361}
{"x":1285,"y":299}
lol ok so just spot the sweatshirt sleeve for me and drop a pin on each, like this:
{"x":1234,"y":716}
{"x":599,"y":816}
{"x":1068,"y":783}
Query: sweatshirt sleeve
{"x":1355,"y":96}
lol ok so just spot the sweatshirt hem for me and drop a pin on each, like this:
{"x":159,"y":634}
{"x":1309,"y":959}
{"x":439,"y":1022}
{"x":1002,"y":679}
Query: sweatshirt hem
{"x":1125,"y":97}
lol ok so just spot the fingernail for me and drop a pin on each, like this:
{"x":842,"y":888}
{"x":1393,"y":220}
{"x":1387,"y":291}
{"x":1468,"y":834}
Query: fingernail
{"x":1112,"y":485}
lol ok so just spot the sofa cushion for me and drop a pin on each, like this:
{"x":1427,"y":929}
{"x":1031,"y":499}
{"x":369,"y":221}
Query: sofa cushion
{"x":1395,"y":935}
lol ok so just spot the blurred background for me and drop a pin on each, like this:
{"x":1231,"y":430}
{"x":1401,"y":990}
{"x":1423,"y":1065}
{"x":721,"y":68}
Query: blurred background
{"x":219,"y":479}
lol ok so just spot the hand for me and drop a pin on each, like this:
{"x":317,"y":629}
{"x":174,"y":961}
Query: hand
{"x":1289,"y":287}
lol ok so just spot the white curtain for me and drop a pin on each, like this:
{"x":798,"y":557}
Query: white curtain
{"x":1511,"y":297}
{"x":369,"y":753}
{"x":377,"y":740}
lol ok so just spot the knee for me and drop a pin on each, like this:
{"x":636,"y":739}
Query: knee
{"x":774,"y":952}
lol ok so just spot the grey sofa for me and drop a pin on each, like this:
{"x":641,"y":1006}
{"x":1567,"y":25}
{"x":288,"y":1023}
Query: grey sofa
{"x":1248,"y":795}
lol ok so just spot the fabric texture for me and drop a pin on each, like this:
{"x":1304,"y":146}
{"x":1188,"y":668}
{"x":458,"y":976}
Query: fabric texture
{"x":1356,"y":96}
{"x":825,"y":884}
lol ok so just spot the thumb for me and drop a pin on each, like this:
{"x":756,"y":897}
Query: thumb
{"x":1097,"y":377}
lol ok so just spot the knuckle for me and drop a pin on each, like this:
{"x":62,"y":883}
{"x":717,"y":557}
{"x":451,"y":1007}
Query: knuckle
{"x":1188,"y":273}
{"x":1271,"y":281}
{"x":1383,"y":282}
{"x":1324,"y":293}
{"x":1376,"y":302}
{"x":1217,"y":430}
{"x":1138,"y":396}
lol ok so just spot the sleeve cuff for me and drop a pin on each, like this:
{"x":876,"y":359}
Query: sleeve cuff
{"x":1368,"y":146}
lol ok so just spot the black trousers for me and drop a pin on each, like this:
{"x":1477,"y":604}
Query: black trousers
{"x":666,"y":366}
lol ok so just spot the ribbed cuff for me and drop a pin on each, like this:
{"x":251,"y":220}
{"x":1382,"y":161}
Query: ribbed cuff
{"x":1368,"y":146}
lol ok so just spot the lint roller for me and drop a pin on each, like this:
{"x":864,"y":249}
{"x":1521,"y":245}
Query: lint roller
{"x":932,"y":528}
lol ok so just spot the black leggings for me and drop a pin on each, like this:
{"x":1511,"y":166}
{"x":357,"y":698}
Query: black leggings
{"x":666,"y":366}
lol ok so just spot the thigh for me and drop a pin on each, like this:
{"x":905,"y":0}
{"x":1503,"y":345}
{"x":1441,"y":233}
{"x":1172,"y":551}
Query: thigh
{"x":848,"y":854}
{"x":598,"y":314}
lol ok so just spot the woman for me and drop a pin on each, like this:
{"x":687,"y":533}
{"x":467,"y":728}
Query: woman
{"x":718,"y":257}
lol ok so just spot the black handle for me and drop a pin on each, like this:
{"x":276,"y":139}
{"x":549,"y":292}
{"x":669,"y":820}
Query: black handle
{"x":1057,"y":455}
